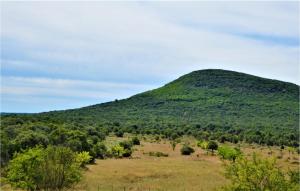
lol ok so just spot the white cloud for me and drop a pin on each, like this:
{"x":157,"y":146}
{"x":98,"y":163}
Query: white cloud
{"x":146,"y":43}
{"x":69,"y":88}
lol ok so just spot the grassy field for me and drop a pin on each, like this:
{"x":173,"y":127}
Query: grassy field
{"x":141,"y":172}
{"x":200,"y":171}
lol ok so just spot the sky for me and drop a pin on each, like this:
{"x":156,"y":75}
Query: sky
{"x":61,"y":55}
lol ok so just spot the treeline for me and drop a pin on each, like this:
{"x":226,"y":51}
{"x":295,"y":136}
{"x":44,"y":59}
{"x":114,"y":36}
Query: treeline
{"x":26,"y":131}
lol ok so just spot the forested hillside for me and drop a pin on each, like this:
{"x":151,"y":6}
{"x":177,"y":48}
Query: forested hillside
{"x":206,"y":100}
{"x":208,"y":104}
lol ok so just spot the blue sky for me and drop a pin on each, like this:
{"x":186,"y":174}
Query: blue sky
{"x":60,"y":55}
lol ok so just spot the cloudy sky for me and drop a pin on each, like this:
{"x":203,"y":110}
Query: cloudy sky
{"x":67,"y":55}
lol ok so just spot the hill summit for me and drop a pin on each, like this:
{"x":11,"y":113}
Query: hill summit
{"x":211,"y":100}
{"x":206,"y":104}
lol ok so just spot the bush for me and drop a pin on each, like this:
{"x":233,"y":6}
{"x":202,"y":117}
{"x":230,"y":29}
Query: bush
{"x":53,"y":168}
{"x":123,"y":149}
{"x":127,"y":153}
{"x":186,"y":150}
{"x":158,"y":154}
{"x":258,"y":174}
{"x":100,"y":150}
{"x":119,"y":133}
{"x":202,"y":144}
{"x":117,"y":151}
{"x":83,"y":158}
{"x":229,"y":153}
{"x":212,"y":145}
{"x":135,"y":141}
{"x":22,"y":169}
{"x":126,"y":144}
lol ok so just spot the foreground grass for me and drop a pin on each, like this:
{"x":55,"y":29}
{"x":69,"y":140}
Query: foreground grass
{"x":200,"y":171}
{"x":144,"y":172}
{"x":160,"y":174}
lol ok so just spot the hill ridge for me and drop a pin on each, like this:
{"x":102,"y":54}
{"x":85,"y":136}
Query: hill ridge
{"x":213,"y":101}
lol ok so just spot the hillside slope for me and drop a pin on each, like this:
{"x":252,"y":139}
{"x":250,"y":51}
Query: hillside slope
{"x":206,"y":96}
{"x":216,"y":101}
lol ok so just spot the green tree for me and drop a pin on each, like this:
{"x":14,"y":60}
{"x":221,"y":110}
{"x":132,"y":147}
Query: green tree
{"x":229,"y":153}
{"x":212,"y":145}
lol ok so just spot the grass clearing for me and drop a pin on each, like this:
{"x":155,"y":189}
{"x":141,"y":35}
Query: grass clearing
{"x":144,"y":172}
{"x":199,"y":171}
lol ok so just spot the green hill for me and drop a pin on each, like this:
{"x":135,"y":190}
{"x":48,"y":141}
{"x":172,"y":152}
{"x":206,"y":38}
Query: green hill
{"x":216,"y":104}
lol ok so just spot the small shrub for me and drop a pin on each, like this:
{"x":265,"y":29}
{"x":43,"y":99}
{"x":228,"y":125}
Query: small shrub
{"x":186,"y":150}
{"x":126,"y":144}
{"x":202,"y":144}
{"x":83,"y":158}
{"x":212,"y":145}
{"x":127,"y":153}
{"x":117,"y":151}
{"x":135,"y":141}
{"x":99,"y":150}
{"x":158,"y":154}
{"x":119,"y":133}
{"x":123,"y":149}
{"x":173,"y":144}
{"x":157,"y":138}
{"x":229,"y":153}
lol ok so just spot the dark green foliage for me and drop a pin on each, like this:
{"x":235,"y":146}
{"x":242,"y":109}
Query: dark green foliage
{"x":186,"y":150}
{"x":119,"y":133}
{"x":126,"y":144}
{"x":127,"y":153}
{"x":135,"y":141}
{"x":158,"y":154}
{"x":212,"y":145}
{"x":99,"y":151}
{"x":294,"y":176}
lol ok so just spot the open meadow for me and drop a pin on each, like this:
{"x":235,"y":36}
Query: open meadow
{"x":199,"y":171}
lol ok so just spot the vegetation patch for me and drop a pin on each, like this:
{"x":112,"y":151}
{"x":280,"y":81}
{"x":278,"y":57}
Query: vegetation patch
{"x":186,"y":150}
{"x":158,"y":154}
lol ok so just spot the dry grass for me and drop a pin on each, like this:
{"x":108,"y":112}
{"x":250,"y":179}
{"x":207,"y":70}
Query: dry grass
{"x":200,"y":171}
{"x":142,"y":172}
{"x":145,"y":172}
